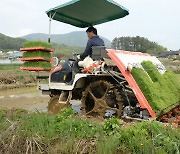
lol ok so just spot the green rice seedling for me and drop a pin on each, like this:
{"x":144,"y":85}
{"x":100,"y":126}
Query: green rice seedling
{"x":145,"y":84}
{"x":163,"y":83}
{"x":33,"y":54}
{"x":39,"y":64}
{"x":173,"y":82}
{"x":151,"y":70}
{"x":29,"y":44}
{"x":161,"y":90}
{"x":44,"y":64}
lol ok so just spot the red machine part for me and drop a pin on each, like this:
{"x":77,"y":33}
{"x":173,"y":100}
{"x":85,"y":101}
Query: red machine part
{"x":35,"y":59}
{"x":58,"y":68}
{"x":36,"y":69}
{"x":88,"y":69}
{"x":37,"y":49}
{"x":113,"y":54}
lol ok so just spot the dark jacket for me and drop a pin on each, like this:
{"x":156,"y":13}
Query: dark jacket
{"x":94,"y":41}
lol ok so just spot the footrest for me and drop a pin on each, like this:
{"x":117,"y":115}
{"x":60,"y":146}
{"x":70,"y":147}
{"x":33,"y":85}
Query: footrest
{"x":42,"y":77}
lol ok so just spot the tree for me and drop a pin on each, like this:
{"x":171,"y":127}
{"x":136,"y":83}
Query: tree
{"x":137,"y":44}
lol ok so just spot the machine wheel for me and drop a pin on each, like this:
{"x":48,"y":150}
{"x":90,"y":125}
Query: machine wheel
{"x":99,"y":97}
{"x":57,"y":103}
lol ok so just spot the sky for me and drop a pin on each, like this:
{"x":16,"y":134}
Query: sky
{"x":157,"y":20}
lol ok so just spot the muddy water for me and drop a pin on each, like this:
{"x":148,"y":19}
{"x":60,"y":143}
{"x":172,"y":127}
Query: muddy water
{"x":29,"y":99}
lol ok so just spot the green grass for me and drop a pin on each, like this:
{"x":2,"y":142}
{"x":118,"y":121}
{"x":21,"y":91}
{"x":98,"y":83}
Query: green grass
{"x":23,"y":132}
{"x":161,"y":90}
{"x":144,"y":137}
{"x":14,"y":89}
{"x":9,"y":66}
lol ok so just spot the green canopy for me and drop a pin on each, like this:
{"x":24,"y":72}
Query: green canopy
{"x":85,"y":13}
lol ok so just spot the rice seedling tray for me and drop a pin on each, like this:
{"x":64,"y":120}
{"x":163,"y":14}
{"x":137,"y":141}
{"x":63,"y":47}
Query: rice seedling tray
{"x":36,"y":48}
{"x":35,"y":59}
{"x":37,"y":69}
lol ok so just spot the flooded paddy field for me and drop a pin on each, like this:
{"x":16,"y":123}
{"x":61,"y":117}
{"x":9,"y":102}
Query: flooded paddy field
{"x":28,"y":98}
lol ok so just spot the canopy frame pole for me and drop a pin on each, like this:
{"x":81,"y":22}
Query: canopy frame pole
{"x":50,"y":19}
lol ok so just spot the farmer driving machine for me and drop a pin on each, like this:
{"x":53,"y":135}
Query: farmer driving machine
{"x":106,"y":87}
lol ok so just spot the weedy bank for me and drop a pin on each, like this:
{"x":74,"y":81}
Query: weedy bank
{"x":11,"y":74}
{"x":24,"y":132}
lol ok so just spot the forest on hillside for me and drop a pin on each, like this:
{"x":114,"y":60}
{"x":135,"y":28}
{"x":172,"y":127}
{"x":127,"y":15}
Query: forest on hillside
{"x":137,"y":44}
{"x":10,"y":43}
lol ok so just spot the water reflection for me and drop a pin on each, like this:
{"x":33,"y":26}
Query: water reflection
{"x":5,"y":61}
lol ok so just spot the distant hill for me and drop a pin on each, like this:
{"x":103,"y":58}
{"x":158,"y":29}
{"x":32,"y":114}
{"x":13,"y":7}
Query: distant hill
{"x":77,"y":38}
{"x":10,"y":43}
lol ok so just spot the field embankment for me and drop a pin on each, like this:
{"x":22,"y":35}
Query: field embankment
{"x":11,"y":74}
{"x":12,"y":77}
{"x":24,"y":132}
{"x":171,"y":64}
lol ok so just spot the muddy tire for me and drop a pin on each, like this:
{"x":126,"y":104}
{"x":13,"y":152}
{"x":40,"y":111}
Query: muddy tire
{"x":99,"y":97}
